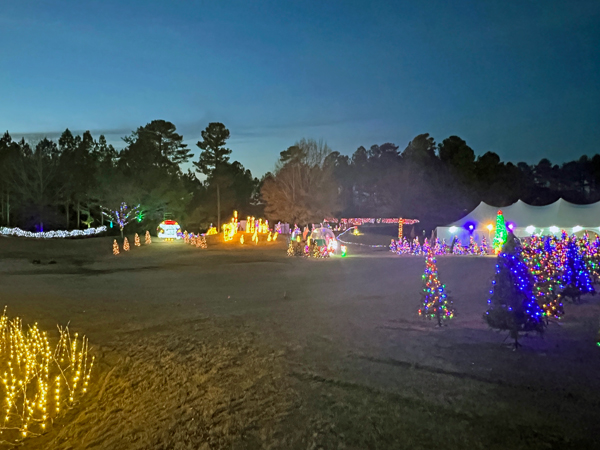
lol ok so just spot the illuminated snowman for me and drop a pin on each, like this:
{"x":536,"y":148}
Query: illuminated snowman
{"x":169,"y":230}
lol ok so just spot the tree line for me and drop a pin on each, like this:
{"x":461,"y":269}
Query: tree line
{"x":66,"y":184}
{"x":435,"y":183}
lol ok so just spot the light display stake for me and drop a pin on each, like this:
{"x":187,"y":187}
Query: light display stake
{"x":136,"y":240}
{"x":148,"y":239}
{"x":123,"y":215}
{"x":115,"y":248}
{"x":501,"y":233}
{"x":125,"y":245}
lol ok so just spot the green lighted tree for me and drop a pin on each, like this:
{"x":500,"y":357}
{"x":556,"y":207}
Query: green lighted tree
{"x":501,"y":233}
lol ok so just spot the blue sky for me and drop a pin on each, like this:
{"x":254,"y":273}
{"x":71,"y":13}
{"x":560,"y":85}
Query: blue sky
{"x":520,"y":78}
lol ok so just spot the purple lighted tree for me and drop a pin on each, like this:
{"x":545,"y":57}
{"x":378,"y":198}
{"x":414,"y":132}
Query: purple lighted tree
{"x":123,"y":215}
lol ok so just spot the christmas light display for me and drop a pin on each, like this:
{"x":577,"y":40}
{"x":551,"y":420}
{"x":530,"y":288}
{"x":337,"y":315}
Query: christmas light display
{"x":416,"y":247}
{"x":457,"y":248}
{"x":59,"y":234}
{"x":255,"y":236}
{"x":393,"y":246}
{"x":115,"y":248}
{"x":539,"y":256}
{"x":39,"y":381}
{"x":125,"y":245}
{"x":473,"y":248}
{"x":169,"y":230}
{"x":344,"y":224}
{"x":501,"y":233}
{"x":211,"y":231}
{"x":148,"y":239}
{"x":512,"y":304}
{"x":203,"y":243}
{"x":123,"y":215}
{"x":269,"y":237}
{"x":576,"y":276}
{"x":483,"y":249}
{"x":344,"y":251}
{"x":435,"y":303}
{"x":426,"y":247}
{"x":136,"y":240}
{"x":275,"y":236}
{"x":242,"y":239}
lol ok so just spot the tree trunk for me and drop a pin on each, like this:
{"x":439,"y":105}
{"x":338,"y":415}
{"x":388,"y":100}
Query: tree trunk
{"x":218,"y":209}
{"x":8,"y":209}
{"x":67,"y":215}
{"x":78,"y":215}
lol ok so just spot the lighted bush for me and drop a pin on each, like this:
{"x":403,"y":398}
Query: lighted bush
{"x":38,"y":380}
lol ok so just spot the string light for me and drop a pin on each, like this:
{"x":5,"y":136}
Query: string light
{"x":501,"y":233}
{"x":435,"y":302}
{"x":37,"y":379}
{"x":60,"y":234}
{"x":512,"y":304}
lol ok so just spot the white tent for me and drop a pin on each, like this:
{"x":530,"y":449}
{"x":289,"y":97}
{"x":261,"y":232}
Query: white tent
{"x":525,"y":220}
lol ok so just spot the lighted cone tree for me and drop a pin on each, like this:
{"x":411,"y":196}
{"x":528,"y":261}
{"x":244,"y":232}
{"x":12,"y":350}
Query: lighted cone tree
{"x":501,"y":233}
{"x":538,"y":256}
{"x":115,"y":248}
{"x":125,"y":245}
{"x":137,"y":240}
{"x":483,"y":250}
{"x":148,"y":239}
{"x":435,"y":302}
{"x":512,"y":303}
{"x":576,"y":278}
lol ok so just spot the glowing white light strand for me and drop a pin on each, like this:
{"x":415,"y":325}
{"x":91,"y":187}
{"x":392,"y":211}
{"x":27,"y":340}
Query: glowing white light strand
{"x":4,"y":231}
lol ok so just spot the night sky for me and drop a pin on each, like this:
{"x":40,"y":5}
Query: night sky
{"x":520,"y":78}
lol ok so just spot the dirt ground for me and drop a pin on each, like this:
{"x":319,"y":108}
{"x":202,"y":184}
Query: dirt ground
{"x":241,"y":347}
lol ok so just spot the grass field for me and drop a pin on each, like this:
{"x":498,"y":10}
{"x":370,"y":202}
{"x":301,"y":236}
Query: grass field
{"x":240,"y":347}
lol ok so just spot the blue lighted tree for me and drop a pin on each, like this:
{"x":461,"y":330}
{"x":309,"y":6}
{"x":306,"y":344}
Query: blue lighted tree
{"x":512,"y":303}
{"x":576,"y":277}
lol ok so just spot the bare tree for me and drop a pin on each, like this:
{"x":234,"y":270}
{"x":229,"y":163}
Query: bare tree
{"x":302,"y":189}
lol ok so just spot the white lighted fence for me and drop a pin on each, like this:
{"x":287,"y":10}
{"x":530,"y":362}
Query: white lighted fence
{"x":51,"y":234}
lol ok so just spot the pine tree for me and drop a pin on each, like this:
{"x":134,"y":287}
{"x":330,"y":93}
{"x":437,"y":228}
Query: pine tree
{"x":125,"y":245}
{"x":483,"y":249}
{"x":512,"y":303}
{"x":137,"y":240}
{"x":115,"y":248}
{"x":435,"y":303}
{"x":473,"y":248}
{"x":538,"y":256}
{"x":501,"y":233}
{"x":148,"y":239}
{"x":576,"y":277}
